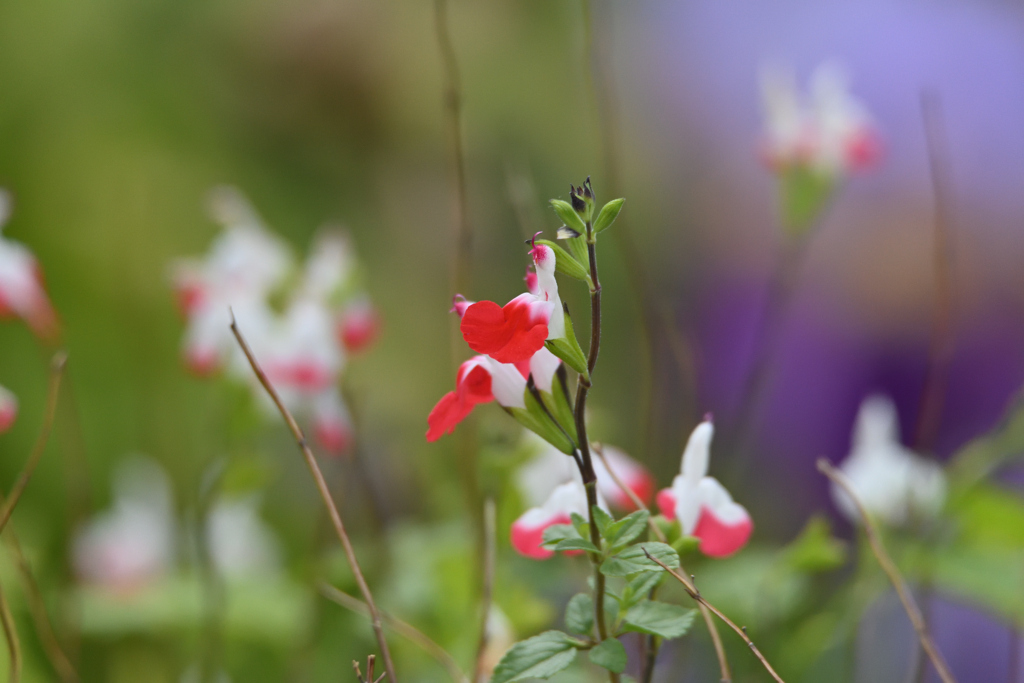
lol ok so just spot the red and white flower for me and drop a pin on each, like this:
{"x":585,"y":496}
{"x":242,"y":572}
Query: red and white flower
{"x":8,"y":409}
{"x":528,"y":531}
{"x":22,"y":292}
{"x":830,"y":131}
{"x":701,"y":504}
{"x":514,"y":332}
{"x":630,"y":472}
{"x":359,"y":326}
{"x":894,"y":483}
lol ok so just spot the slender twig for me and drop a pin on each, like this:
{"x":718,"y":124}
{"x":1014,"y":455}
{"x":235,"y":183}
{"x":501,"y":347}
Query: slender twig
{"x":942,"y":342}
{"x":37,"y":606}
{"x":890,"y":569}
{"x":325,"y":494}
{"x":487,"y":588}
{"x":716,"y":639}
{"x":56,"y":371}
{"x":692,"y":591}
{"x":11,"y":634}
{"x":402,"y":628}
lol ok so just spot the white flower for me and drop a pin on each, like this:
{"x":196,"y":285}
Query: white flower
{"x":238,"y":541}
{"x":894,"y":483}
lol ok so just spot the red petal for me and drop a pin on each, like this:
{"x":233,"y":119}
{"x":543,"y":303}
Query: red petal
{"x":718,"y":539}
{"x":508,"y":335}
{"x":8,"y":413}
{"x":474,"y":388}
{"x":667,"y":503}
{"x":528,"y":540}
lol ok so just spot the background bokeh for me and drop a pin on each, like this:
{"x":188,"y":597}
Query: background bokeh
{"x":116,"y":117}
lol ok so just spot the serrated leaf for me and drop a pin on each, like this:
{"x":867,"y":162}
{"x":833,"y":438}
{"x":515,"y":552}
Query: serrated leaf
{"x":659,"y":619}
{"x":632,"y":560}
{"x":609,"y":212}
{"x":627,"y":528}
{"x":580,"y":523}
{"x":602,"y":519}
{"x":568,"y":215}
{"x":556,"y":533}
{"x":577,"y":544}
{"x":579,"y":614}
{"x":639,"y":587}
{"x":566,"y":264}
{"x":609,"y":654}
{"x":542,"y":656}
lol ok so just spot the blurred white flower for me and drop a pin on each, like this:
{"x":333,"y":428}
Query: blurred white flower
{"x":238,"y":541}
{"x":829,"y":131}
{"x":134,"y":542}
{"x":895,"y":484}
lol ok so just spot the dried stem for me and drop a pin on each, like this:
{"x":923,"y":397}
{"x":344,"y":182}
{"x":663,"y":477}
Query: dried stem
{"x":487,"y":588}
{"x":37,"y":606}
{"x":404,"y":629}
{"x":11,"y":634}
{"x":716,"y":639}
{"x":56,"y":372}
{"x":890,"y":569}
{"x":325,"y":494}
{"x":692,"y":591}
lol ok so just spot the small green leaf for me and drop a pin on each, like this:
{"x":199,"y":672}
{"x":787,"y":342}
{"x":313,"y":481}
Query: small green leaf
{"x":633,"y":560}
{"x":557,"y":533}
{"x":602,"y":519}
{"x":568,"y":215}
{"x":609,"y":212}
{"x":659,"y":619}
{"x":815,"y":549}
{"x":580,"y":523}
{"x":686,"y":544}
{"x":539,"y":657}
{"x":579,"y":614}
{"x":566,"y":264}
{"x":577,"y":544}
{"x":609,"y":654}
{"x":627,"y":528}
{"x":640,"y":586}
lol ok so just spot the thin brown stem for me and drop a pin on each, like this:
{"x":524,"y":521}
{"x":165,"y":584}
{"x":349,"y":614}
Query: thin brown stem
{"x":325,"y":494}
{"x":692,"y":591}
{"x":487,"y":587}
{"x":11,"y":634}
{"x":404,"y":629}
{"x":37,"y":606}
{"x":56,"y":372}
{"x":890,"y":569}
{"x":716,"y":639}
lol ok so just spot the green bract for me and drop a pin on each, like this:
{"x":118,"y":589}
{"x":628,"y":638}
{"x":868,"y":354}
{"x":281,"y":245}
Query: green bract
{"x":566,"y":264}
{"x":569,"y":216}
{"x":609,"y":212}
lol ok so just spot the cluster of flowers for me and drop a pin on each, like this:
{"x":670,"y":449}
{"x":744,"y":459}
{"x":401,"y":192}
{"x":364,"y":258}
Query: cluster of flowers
{"x":828,"y":132}
{"x":136,"y":542}
{"x":22,"y":295}
{"x":302,"y":324}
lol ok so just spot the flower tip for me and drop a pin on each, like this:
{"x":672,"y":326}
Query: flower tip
{"x":709,"y":417}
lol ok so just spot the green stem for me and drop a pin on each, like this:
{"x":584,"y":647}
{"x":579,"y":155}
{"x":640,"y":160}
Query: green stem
{"x":586,"y":462}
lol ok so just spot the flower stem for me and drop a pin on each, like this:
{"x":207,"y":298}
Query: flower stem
{"x":586,"y":463}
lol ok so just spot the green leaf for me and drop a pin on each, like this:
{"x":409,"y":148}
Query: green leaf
{"x":627,"y":528}
{"x":577,"y":544}
{"x":609,"y":654}
{"x":640,"y":586}
{"x":659,"y":619}
{"x":609,"y":212}
{"x":557,"y":402}
{"x":579,"y":614}
{"x":568,"y":349}
{"x":580,"y":523}
{"x":566,"y":264}
{"x":602,"y":519}
{"x":815,"y":549}
{"x":569,"y":216}
{"x":539,"y":657}
{"x":557,"y":533}
{"x":633,"y":560}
